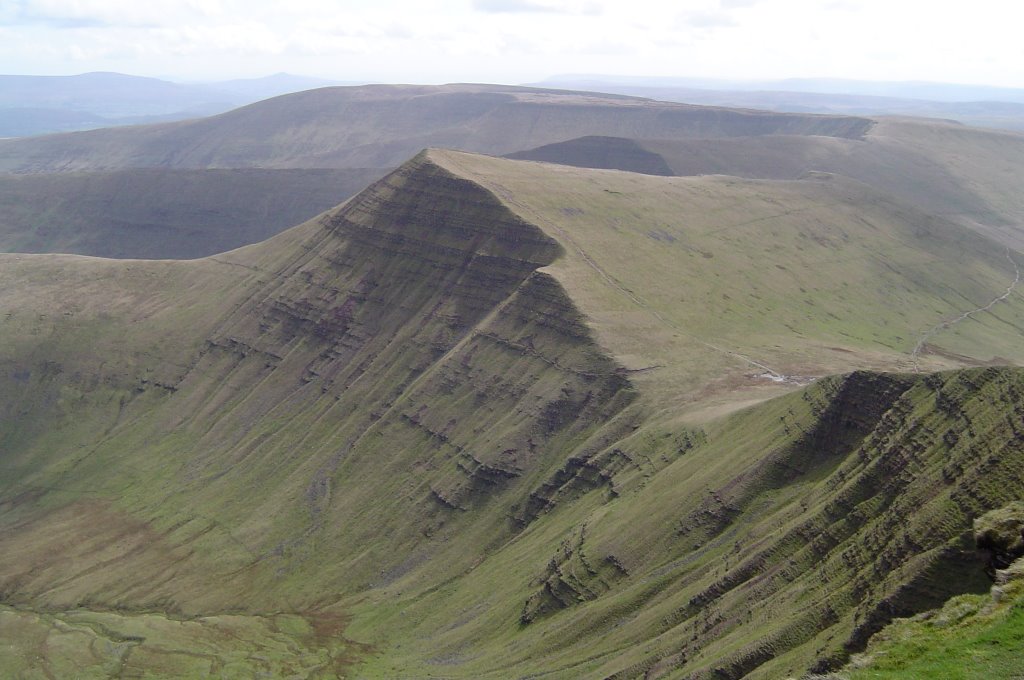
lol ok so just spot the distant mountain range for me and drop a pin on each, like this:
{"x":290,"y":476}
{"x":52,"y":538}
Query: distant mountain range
{"x":939,"y":92}
{"x":978,"y":105}
{"x":33,"y":105}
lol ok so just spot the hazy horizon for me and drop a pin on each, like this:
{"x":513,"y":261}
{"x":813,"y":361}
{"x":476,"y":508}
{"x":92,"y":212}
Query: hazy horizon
{"x":517,"y":41}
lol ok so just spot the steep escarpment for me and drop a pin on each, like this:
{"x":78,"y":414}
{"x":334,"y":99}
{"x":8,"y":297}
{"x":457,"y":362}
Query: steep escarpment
{"x":971,"y":635}
{"x":884,"y":533}
{"x":401,"y":366}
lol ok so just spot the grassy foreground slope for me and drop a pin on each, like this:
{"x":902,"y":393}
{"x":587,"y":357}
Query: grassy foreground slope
{"x":469,"y":413}
{"x":970,"y":637}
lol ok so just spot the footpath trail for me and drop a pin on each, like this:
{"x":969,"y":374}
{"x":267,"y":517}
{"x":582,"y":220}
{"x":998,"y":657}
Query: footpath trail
{"x":946,"y":325}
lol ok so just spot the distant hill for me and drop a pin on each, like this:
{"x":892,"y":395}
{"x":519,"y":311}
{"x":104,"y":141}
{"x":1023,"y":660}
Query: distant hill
{"x":382,"y":125}
{"x":110,"y":95}
{"x":164,"y":214}
{"x":93,"y":100}
{"x":980,"y":106}
{"x":23,"y":122}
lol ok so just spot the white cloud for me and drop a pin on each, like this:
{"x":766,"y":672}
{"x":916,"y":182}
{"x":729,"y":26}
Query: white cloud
{"x":112,"y":13}
{"x":510,"y":6}
{"x":707,"y":19}
{"x":518,"y":40}
{"x":591,"y":7}
{"x":235,"y":38}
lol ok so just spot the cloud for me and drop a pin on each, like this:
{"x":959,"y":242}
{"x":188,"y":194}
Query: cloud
{"x":27,"y":13}
{"x":590,"y":7}
{"x":238,"y":38}
{"x":501,"y":6}
{"x":72,"y":14}
{"x":707,"y":19}
{"x":607,"y":47}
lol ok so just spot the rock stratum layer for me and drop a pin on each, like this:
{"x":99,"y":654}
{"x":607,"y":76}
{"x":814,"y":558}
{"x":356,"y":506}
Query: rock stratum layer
{"x":417,"y":436}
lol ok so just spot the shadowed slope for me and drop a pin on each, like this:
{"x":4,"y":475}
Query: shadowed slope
{"x":164,"y":214}
{"x":609,"y":153}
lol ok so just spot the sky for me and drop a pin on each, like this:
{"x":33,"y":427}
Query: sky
{"x":518,"y":41}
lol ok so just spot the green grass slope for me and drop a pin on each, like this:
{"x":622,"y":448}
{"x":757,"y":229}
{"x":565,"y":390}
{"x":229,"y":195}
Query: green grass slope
{"x":108,"y":644}
{"x":971,"y":636}
{"x":435,"y":346}
{"x":957,"y":172}
{"x":774,"y":541}
{"x":473,"y":417}
{"x":707,"y":285}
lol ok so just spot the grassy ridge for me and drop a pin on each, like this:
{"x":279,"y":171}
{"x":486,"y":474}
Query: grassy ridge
{"x":742,"y":276}
{"x":961,"y":173}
